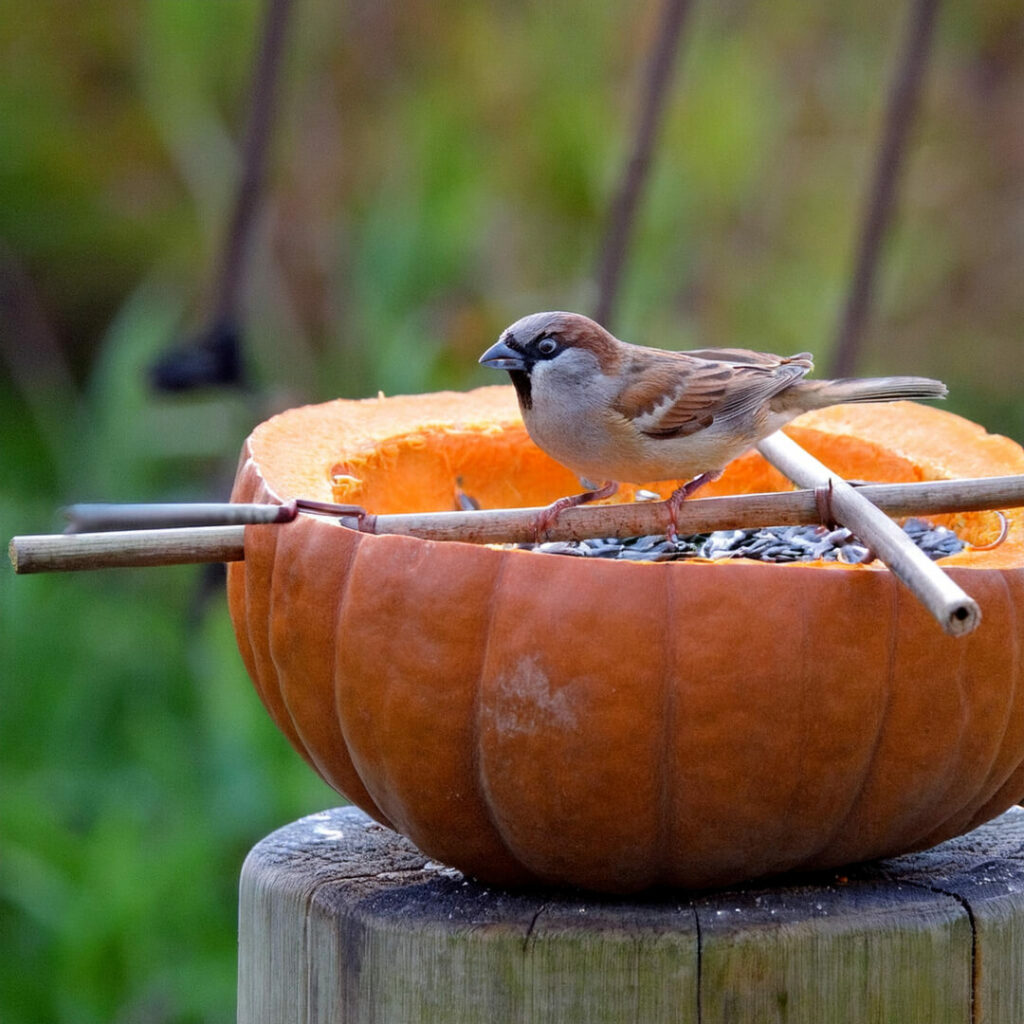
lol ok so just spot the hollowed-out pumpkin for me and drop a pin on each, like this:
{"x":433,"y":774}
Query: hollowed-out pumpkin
{"x":617,"y":725}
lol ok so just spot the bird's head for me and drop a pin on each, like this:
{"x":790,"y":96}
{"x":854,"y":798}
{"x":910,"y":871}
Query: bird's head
{"x":566,"y":346}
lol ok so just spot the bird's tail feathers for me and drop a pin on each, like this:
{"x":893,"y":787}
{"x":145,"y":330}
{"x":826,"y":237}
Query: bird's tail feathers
{"x":817,"y":394}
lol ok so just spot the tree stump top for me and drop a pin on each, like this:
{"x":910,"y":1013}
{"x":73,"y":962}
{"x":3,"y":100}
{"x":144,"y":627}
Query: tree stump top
{"x":343,"y":920}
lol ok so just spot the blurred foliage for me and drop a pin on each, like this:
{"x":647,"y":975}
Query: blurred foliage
{"x":439,"y":169}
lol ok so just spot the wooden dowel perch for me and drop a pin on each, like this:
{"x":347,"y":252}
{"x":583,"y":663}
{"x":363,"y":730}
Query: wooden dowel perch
{"x":125,"y":549}
{"x":955,"y":611}
{"x":513,"y":526}
{"x":201,"y":541}
{"x":44,"y":553}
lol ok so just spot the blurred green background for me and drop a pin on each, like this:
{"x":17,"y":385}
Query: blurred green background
{"x":437,"y":170}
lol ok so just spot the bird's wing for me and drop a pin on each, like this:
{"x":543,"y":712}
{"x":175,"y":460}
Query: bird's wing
{"x":749,"y":356}
{"x":673,"y":394}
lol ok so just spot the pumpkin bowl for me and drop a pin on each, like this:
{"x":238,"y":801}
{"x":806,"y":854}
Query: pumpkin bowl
{"x":619,"y":725}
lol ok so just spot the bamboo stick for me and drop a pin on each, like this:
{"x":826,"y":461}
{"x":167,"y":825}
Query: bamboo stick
{"x":955,"y":611}
{"x":206,"y":543}
{"x":698,"y":515}
{"x":66,"y":552}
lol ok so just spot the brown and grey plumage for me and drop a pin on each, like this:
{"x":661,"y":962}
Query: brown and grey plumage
{"x":613,"y":412}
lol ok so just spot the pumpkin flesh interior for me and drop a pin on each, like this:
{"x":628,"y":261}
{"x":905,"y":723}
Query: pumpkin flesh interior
{"x":407,"y":453}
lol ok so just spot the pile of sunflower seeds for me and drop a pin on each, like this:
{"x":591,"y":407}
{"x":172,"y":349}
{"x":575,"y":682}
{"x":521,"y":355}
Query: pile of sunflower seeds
{"x":767,"y":544}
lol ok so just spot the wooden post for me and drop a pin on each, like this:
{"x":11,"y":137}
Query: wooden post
{"x":344,"y":921}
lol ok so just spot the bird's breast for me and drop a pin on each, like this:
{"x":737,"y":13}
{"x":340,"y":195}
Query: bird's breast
{"x":599,"y":444}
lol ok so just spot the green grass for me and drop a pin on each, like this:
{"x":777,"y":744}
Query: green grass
{"x":138,"y":768}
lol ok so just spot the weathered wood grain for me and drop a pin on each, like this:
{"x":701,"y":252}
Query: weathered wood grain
{"x":342,"y":920}
{"x":984,"y":872}
{"x":860,"y":952}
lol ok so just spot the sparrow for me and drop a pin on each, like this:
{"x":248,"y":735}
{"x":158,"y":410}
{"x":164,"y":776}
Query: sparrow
{"x":614,"y":412}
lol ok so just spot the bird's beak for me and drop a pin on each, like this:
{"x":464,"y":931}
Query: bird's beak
{"x":500,"y":357}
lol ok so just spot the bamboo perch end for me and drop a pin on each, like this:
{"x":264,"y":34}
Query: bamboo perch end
{"x":126,"y":549}
{"x":955,"y":611}
{"x":962,"y":617}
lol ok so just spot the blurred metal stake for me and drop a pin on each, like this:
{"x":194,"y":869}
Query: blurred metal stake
{"x":904,"y":94}
{"x":213,"y":356}
{"x":623,"y":209}
{"x":254,"y":160}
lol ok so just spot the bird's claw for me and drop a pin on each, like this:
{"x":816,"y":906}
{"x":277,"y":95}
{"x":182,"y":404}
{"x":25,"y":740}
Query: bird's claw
{"x":675,"y":500}
{"x":547,"y":517}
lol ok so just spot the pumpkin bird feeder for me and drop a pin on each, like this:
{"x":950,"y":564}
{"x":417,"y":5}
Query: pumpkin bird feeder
{"x":622,"y":724}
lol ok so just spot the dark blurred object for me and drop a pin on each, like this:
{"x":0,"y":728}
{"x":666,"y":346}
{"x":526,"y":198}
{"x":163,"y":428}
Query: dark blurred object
{"x":214,"y":358}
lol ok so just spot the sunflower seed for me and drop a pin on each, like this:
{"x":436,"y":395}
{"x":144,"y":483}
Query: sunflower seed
{"x":769,"y":544}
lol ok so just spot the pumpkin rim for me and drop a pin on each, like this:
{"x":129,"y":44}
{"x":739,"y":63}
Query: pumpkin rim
{"x":397,"y":438}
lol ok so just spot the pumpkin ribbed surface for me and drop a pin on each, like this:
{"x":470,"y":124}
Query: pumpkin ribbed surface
{"x":618,"y":725}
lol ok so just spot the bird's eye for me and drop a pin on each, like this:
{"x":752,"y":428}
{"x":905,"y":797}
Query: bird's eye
{"x":547,"y":346}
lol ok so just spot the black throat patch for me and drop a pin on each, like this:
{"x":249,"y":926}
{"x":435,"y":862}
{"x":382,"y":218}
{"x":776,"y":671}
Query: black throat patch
{"x":521,"y":382}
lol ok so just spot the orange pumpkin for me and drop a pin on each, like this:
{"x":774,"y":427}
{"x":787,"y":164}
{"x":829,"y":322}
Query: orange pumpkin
{"x":617,"y":725}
